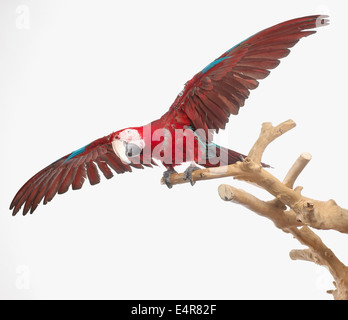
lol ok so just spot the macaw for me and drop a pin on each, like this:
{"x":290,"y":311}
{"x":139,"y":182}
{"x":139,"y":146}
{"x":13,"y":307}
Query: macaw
{"x":185,"y":132}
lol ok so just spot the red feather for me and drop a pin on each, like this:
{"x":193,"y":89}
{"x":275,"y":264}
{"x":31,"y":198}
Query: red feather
{"x":92,"y":173}
{"x":71,"y":170}
{"x":103,"y":167}
{"x":206,"y":102}
{"x":237,"y":72}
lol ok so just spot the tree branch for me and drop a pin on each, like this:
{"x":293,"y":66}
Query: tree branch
{"x":318,"y":214}
{"x":275,"y":211}
{"x":296,"y":169}
{"x":320,"y":254}
{"x":267,"y":135}
{"x":290,"y":211}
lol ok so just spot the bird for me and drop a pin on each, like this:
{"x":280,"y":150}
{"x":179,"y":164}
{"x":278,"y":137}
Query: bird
{"x":184,"y":134}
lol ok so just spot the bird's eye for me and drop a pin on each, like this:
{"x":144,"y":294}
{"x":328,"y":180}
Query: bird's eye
{"x":132,"y":150}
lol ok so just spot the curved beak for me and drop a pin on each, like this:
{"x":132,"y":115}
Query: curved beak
{"x":132,"y":150}
{"x":120,"y":148}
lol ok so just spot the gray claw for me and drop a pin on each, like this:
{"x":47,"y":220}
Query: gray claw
{"x":166,"y":177}
{"x":188,"y":174}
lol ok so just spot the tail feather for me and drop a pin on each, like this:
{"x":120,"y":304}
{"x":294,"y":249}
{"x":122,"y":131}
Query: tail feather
{"x":221,"y":156}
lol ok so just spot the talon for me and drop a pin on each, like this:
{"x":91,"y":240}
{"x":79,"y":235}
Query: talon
{"x":166,"y":177}
{"x":241,"y":158}
{"x":188,"y":173}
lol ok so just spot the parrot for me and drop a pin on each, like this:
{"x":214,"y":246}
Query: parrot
{"x":184,"y":134}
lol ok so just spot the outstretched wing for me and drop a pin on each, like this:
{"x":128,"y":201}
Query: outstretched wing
{"x":221,"y":88}
{"x":71,"y":170}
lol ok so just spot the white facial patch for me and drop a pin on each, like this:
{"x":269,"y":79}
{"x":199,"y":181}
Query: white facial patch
{"x":129,"y":135}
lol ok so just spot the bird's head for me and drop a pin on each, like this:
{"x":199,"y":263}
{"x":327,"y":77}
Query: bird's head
{"x":128,"y":143}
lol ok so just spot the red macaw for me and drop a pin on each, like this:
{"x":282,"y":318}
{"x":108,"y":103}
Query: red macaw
{"x":184,"y":133}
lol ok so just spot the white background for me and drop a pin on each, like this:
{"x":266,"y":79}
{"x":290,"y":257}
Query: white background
{"x":79,"y":70}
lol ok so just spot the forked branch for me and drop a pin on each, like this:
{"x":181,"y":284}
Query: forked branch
{"x":318,"y":214}
{"x":290,"y":211}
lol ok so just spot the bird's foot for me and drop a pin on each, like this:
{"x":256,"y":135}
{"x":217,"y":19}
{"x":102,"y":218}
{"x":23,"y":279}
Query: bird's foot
{"x":188,"y":173}
{"x":166,"y":177}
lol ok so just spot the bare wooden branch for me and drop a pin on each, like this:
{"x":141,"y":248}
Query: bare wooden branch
{"x":320,"y":254}
{"x":268,"y":134}
{"x":205,"y":174}
{"x":276,"y":212}
{"x":318,"y":214}
{"x":296,"y":169}
{"x":290,"y":211}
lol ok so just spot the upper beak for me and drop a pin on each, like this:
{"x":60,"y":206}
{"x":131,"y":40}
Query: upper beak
{"x":120,"y":149}
{"x":132,"y":150}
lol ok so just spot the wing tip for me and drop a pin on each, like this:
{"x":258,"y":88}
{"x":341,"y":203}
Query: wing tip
{"x":322,"y":20}
{"x":15,"y":211}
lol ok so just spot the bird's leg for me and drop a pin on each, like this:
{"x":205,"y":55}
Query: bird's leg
{"x":166,"y":176}
{"x":188,"y":173}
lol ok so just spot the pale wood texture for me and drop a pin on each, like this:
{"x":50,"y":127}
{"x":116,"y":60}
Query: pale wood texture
{"x":290,"y":211}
